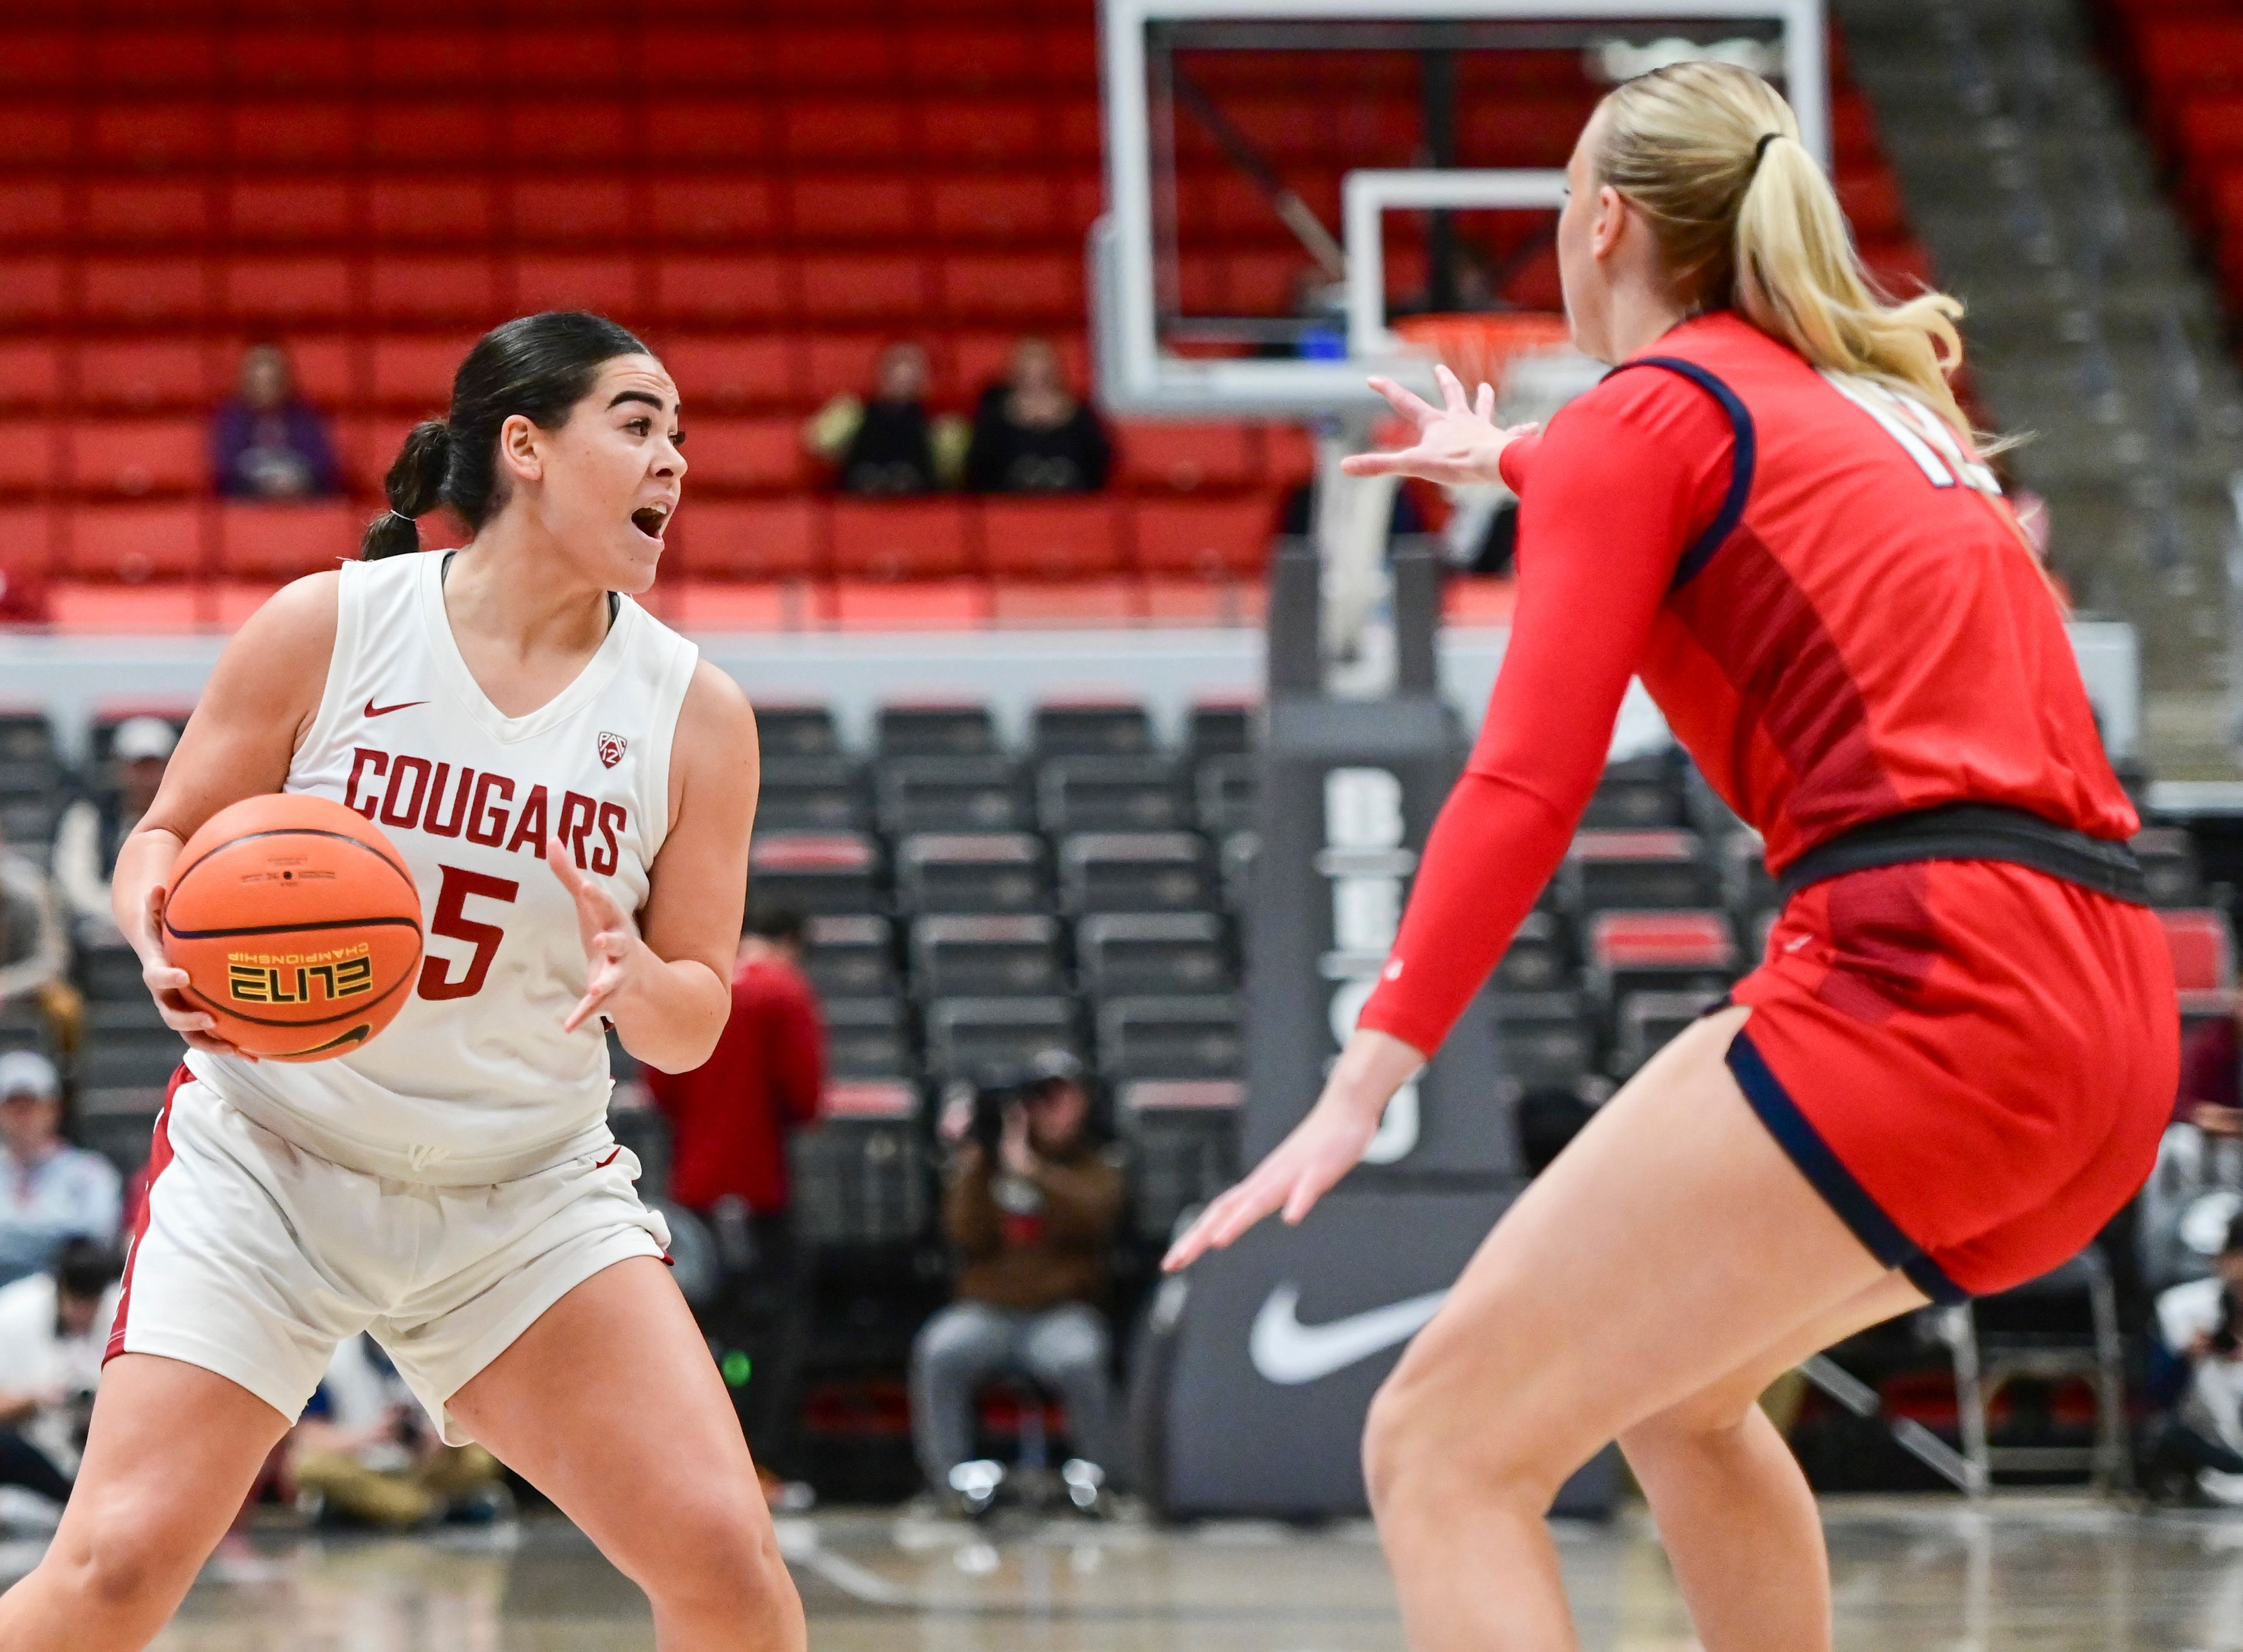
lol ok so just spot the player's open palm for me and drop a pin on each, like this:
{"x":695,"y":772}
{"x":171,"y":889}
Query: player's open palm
{"x":612,"y":947}
{"x":1299,"y":1170}
{"x":1458,"y":444}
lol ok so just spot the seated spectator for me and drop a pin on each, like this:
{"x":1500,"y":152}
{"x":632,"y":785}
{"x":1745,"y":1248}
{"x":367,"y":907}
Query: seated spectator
{"x":366,"y":1453}
{"x":1032,"y":435}
{"x":1030,"y":1205}
{"x":54,"y":1330}
{"x":729,"y":1119}
{"x":890,"y":445}
{"x":92,"y":830}
{"x":267,"y":443}
{"x":49,"y":1191}
{"x":2197,"y":1443}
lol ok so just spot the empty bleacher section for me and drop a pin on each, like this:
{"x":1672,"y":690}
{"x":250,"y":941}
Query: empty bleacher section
{"x":770,"y":201}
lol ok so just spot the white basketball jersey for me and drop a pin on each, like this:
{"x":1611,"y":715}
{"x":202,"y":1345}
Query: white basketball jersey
{"x":474,"y":1081}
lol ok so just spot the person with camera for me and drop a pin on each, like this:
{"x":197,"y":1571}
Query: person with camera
{"x":365,"y":1453}
{"x":1031,"y":1202}
{"x":54,"y":1328}
{"x":2196,"y":1446}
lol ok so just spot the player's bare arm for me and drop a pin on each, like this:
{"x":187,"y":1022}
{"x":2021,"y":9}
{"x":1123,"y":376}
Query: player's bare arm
{"x":665,"y":982}
{"x":262,"y":699}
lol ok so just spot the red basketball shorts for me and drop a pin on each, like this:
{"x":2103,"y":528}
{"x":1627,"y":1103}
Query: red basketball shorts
{"x":1972,"y":1062}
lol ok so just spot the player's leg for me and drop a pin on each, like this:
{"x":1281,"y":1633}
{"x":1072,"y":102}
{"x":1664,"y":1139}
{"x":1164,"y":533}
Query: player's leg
{"x":1733,"y":1508}
{"x":172,"y":1452}
{"x":1673,"y":1243}
{"x":608,"y":1404}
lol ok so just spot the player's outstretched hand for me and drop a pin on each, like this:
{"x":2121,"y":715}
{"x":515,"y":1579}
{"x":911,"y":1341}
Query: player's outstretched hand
{"x":1458,"y":442}
{"x":167,"y":985}
{"x":1322,"y":1148}
{"x":612,"y":946}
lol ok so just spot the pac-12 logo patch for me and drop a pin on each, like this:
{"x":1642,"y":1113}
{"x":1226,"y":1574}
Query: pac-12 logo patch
{"x":611,"y":748}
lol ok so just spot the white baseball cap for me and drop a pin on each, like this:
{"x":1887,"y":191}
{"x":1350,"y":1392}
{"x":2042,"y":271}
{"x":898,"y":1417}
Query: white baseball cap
{"x":25,"y":1072}
{"x":142,"y":737}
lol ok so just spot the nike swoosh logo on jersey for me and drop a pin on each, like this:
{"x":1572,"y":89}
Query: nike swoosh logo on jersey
{"x":372,"y":710}
{"x":1287,"y":1352}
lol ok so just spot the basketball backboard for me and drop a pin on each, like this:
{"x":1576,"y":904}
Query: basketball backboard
{"x":1284,"y":177}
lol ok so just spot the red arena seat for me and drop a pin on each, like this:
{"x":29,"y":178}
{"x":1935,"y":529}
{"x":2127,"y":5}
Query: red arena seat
{"x":297,"y":133}
{"x":419,"y":291}
{"x":145,"y":211}
{"x":30,"y":457}
{"x":571,"y":211}
{"x":282,"y":541}
{"x":844,"y":206}
{"x":133,"y":457}
{"x":288,"y":211}
{"x":30,"y":290}
{"x":1010,"y":208}
{"x":2203,"y":948}
{"x":993,"y":132}
{"x":872,"y":286}
{"x":841,"y":363}
{"x":152,"y":135}
{"x":429,"y":212}
{"x":751,"y":538}
{"x":750,"y":287}
{"x":1213,"y":539}
{"x":718,"y":373}
{"x":1014,"y":287}
{"x":730,"y":130}
{"x":137,"y":542}
{"x":1186,"y":457}
{"x":35,"y":209}
{"x":138,"y":291}
{"x":414,"y":371}
{"x":31,"y":372}
{"x":741,"y":207}
{"x":604,"y":284}
{"x":288,"y":289}
{"x":746,"y":454}
{"x":1078,"y":538}
{"x":906,"y":539}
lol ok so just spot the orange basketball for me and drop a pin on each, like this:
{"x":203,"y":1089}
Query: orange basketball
{"x":297,"y":925}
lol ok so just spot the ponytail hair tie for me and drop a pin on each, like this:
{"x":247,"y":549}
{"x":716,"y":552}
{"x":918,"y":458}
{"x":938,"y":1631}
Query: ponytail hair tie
{"x":1760,"y":148}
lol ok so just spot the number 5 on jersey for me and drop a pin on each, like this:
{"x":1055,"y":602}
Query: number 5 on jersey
{"x":453,"y":923}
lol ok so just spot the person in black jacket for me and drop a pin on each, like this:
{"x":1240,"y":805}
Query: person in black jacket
{"x":1033,"y":434}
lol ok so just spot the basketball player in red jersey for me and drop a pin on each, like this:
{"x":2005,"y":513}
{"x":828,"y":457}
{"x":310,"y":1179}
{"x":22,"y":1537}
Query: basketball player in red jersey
{"x":1955,"y":1062}
{"x":452,"y":1188}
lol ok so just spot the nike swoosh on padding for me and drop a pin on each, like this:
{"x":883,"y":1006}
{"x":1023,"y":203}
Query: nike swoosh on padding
{"x":1286,"y":1351}
{"x":372,"y":710}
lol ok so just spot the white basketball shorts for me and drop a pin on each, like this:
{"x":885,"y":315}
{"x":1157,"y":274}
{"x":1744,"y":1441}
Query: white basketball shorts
{"x":254,"y":1258}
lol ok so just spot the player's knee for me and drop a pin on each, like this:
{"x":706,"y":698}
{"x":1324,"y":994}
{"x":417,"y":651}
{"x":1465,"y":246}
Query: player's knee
{"x":113,"y":1564}
{"x":1423,"y":1455}
{"x":717,"y":1553}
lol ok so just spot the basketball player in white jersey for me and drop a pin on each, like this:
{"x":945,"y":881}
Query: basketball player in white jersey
{"x":453,"y":1187}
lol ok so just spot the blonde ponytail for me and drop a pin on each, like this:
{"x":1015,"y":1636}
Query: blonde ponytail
{"x":1747,"y":219}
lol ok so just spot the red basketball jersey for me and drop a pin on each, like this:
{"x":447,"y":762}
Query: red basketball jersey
{"x":1861,"y":630}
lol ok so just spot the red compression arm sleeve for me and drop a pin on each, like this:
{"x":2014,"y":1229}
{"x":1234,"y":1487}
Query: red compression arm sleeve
{"x":1608,"y":497}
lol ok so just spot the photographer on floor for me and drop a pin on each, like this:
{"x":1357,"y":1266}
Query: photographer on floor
{"x":2196,"y":1379}
{"x":1031,"y":1202}
{"x":54,"y":1329}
